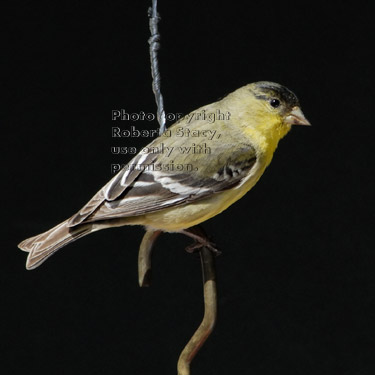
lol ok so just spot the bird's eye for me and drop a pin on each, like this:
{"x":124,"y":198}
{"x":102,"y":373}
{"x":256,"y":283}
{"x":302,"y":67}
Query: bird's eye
{"x":275,"y":103}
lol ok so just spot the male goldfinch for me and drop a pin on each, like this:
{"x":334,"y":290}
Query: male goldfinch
{"x":183,"y":178}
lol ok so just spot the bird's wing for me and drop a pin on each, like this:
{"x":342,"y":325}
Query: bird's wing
{"x":115,"y":187}
{"x":148,"y":187}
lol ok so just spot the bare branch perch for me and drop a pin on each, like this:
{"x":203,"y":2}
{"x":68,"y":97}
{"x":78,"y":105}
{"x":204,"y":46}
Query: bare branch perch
{"x":210,"y":313}
{"x":144,"y":257}
{"x":206,"y":254}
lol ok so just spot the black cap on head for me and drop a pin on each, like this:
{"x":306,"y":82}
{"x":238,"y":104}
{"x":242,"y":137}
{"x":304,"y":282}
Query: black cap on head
{"x":272,"y":89}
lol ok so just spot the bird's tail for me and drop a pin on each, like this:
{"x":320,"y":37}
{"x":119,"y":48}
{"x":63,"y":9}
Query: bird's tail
{"x":43,"y":245}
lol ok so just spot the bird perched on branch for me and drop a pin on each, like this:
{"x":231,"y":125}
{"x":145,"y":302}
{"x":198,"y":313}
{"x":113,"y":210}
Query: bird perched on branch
{"x":196,"y":179}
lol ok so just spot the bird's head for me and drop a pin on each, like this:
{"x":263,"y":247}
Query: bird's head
{"x":269,"y":108}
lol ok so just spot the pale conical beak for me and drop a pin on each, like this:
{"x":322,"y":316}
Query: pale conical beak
{"x":296,"y":117}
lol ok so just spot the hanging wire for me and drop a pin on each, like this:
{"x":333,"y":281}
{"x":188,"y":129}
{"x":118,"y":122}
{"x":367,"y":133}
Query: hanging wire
{"x":206,"y":254}
{"x":154,"y":47}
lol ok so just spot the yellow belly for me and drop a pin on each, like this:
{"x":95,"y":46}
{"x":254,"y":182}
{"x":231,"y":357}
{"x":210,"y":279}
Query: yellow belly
{"x":186,"y":216}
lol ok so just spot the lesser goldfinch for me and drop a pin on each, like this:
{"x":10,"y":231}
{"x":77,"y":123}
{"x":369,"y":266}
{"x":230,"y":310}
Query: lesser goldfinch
{"x":200,"y":166}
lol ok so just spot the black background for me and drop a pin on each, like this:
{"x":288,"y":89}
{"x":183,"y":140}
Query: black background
{"x":296,"y":278}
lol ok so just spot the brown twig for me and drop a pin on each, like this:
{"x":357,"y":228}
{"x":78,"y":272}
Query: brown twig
{"x":210,"y":313}
{"x":206,"y":254}
{"x":209,"y":293}
{"x":144,"y":257}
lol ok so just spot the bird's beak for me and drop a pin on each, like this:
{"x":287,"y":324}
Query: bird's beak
{"x":296,"y":117}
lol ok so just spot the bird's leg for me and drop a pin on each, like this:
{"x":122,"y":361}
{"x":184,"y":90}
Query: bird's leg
{"x":201,"y":240}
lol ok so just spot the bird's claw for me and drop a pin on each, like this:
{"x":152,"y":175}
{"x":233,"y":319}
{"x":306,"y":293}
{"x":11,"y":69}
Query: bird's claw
{"x":197,"y":245}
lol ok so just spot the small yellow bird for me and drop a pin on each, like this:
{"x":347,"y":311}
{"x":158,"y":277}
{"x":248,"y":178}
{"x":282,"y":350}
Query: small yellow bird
{"x":193,"y":171}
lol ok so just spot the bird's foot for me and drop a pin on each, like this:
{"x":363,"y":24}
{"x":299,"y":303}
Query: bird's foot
{"x":197,"y":245}
{"x":200,"y":240}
